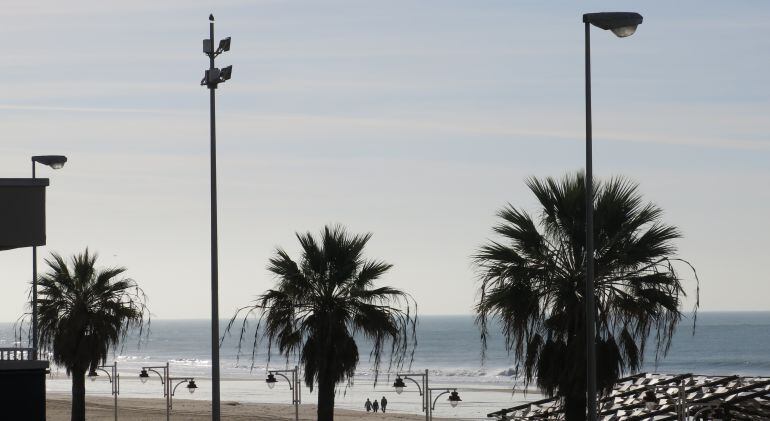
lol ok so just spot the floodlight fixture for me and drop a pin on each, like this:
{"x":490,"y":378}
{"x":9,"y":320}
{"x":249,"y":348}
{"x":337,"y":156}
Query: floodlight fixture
{"x":226,"y":73}
{"x":622,"y":24}
{"x":224,"y":45}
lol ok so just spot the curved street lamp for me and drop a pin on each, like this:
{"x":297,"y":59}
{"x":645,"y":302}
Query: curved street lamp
{"x":399,"y":385}
{"x":169,"y":387}
{"x":428,"y":403}
{"x":56,"y":162}
{"x":622,"y":24}
{"x":294,"y":386}
{"x":454,"y":397}
{"x":114,"y":379}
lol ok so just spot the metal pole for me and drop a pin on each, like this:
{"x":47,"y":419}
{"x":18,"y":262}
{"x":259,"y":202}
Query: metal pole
{"x":426,"y":394}
{"x":166,"y":384}
{"x":116,"y":399}
{"x":296,"y":393}
{"x":215,"y":415}
{"x":34,"y":291}
{"x":115,"y":386}
{"x":590,"y":307}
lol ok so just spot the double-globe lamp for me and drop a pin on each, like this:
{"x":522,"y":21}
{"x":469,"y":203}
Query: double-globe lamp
{"x":191,"y":386}
{"x":399,"y":385}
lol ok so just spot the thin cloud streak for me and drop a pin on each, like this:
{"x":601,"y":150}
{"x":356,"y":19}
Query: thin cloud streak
{"x":309,"y":124}
{"x":17,"y":107}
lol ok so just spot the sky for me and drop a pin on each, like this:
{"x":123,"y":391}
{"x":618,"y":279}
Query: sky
{"x":415,"y":121}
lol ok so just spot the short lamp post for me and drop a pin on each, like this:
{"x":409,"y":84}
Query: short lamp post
{"x":454,"y":397}
{"x":622,"y":24}
{"x":294,"y":385}
{"x":114,"y":379}
{"x":426,"y":392}
{"x":169,"y":384}
{"x":56,"y":162}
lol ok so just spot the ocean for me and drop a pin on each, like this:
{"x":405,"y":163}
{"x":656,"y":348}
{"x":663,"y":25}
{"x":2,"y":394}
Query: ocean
{"x":448,"y":346}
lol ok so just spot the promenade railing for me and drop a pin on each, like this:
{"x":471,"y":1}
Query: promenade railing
{"x":16,"y":354}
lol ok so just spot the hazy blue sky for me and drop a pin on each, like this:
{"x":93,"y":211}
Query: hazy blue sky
{"x":413,"y":120}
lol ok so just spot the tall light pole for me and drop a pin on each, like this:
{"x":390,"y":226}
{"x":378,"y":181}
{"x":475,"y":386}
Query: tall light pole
{"x":56,"y":162}
{"x":211,"y":79}
{"x":622,"y":24}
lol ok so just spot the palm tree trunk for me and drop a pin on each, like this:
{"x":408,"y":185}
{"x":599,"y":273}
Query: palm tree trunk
{"x":325,"y":397}
{"x":575,"y":408}
{"x":78,"y":394}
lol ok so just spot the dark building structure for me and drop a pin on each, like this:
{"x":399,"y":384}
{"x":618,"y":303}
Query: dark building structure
{"x":22,"y":224}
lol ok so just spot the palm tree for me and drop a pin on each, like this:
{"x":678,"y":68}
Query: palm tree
{"x":533,"y":283}
{"x":83,"y":313}
{"x":320,"y":305}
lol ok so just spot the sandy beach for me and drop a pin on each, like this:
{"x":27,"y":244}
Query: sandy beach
{"x":132,"y":409}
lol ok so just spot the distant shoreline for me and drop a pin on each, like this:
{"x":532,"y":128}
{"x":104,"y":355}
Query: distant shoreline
{"x":686,"y":312}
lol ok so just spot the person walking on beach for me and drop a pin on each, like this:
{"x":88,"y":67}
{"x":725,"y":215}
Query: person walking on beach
{"x":383,"y":404}
{"x":375,"y":406}
{"x":368,"y":405}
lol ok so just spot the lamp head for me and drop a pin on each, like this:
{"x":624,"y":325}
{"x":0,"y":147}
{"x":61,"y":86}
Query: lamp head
{"x":454,"y":399}
{"x":54,"y":161}
{"x":399,"y":385}
{"x":622,"y":24}
{"x":271,"y":380}
{"x":191,"y":386}
{"x":144,"y":376}
{"x":92,"y":374}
